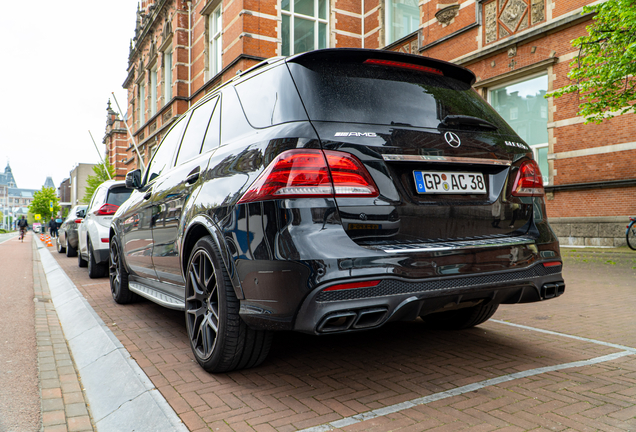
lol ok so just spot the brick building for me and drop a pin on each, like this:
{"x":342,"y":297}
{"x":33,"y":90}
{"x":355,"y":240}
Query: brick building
{"x":518,"y":49}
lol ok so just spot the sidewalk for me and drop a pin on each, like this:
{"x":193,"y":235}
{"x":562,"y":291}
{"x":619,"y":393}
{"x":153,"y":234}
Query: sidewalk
{"x":64,"y":406}
{"x":88,"y":379}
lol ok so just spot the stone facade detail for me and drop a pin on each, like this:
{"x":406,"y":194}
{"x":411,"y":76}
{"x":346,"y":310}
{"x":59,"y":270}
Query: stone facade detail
{"x":490,"y":12}
{"x":446,"y":15}
{"x":507,"y":17}
{"x":512,"y":13}
{"x":538,"y":11}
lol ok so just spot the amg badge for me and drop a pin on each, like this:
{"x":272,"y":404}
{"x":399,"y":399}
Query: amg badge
{"x":356,"y":134}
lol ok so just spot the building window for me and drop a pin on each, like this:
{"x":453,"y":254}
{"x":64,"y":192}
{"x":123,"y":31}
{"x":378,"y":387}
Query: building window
{"x":167,"y":76}
{"x":215,"y":27}
{"x":402,"y":19}
{"x":523,"y":105}
{"x":153,"y":91}
{"x":304,"y":25}
{"x":503,"y":18}
{"x":142,"y":103}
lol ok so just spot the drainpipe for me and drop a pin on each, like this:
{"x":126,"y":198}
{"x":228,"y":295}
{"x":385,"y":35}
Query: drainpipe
{"x":189,"y":53}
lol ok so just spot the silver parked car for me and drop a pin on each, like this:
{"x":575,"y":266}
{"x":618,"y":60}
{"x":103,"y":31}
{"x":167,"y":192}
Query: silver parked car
{"x":93,"y":231}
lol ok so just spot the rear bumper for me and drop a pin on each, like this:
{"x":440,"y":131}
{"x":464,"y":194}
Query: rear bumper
{"x":395,"y":299}
{"x":284,"y":269}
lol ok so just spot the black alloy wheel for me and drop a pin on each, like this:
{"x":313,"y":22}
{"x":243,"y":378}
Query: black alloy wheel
{"x":95,"y":270}
{"x":58,"y":243}
{"x":80,"y":261}
{"x":118,"y":276}
{"x":70,"y":250}
{"x":219,"y":338}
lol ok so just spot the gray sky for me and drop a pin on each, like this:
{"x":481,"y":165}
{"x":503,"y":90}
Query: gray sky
{"x":60,"y":63}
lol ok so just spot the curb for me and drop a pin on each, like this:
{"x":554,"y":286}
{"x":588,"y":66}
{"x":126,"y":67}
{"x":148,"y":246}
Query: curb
{"x":120,"y":395}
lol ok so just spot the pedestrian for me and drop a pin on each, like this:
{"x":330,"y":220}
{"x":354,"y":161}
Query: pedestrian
{"x":53,"y":227}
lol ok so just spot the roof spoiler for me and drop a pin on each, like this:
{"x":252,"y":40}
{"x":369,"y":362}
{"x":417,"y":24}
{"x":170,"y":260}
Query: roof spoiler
{"x":357,"y":55}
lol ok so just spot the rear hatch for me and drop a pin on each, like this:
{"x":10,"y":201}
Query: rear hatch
{"x":443,"y":160}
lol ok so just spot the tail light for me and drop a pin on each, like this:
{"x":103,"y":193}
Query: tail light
{"x":106,"y":210}
{"x":528,"y":181}
{"x":353,"y":285}
{"x":312,"y":173}
{"x":403,"y":65}
{"x":79,"y":220}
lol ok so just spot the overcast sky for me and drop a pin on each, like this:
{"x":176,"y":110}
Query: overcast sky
{"x":60,"y":63}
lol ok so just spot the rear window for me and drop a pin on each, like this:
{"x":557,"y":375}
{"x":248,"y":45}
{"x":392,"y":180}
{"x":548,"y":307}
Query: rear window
{"x":359,"y":93}
{"x":270,"y":98}
{"x":118,"y":195}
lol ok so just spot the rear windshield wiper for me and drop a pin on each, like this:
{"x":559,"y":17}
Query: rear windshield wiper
{"x":464,"y":120}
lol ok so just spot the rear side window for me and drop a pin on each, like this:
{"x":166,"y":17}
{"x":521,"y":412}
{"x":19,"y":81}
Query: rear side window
{"x":362,"y":93}
{"x":270,"y":98}
{"x":118,"y":195}
{"x":197,"y":126}
{"x":98,"y":198}
{"x":162,"y":160}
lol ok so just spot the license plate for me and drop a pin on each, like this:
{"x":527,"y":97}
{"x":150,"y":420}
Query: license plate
{"x":364,"y":226}
{"x":435,"y":182}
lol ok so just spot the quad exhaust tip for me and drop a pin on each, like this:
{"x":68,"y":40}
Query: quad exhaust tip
{"x":551,"y":290}
{"x":352,"y":319}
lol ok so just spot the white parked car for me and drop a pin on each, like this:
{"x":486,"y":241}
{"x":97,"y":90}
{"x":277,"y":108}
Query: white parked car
{"x":92,"y":233}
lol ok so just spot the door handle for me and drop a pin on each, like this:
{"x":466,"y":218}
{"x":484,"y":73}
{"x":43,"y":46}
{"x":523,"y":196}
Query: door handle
{"x":192,"y":178}
{"x":148,"y":195}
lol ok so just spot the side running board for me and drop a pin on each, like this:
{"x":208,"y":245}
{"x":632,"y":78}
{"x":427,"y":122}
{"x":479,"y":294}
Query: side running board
{"x":157,"y":297}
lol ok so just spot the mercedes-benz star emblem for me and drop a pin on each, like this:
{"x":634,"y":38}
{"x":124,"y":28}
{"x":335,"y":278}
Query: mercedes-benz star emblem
{"x":452,"y":139}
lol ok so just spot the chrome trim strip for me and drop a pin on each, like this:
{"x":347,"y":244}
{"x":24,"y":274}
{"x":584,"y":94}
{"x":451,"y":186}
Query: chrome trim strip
{"x":444,"y":159}
{"x":465,"y":244}
{"x":156,"y":296}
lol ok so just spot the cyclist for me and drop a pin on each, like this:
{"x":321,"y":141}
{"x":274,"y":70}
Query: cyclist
{"x":23,"y":225}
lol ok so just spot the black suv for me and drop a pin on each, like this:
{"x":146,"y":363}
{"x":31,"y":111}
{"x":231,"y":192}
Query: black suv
{"x":334,"y":191}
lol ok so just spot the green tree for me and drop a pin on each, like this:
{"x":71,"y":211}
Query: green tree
{"x":93,"y":181}
{"x":604,"y":72}
{"x":41,"y":204}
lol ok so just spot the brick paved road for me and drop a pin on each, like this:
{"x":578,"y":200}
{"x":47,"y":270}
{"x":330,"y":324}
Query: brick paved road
{"x":309,"y":381}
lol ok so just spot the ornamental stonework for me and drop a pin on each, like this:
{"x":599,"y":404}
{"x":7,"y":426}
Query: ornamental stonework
{"x":490,"y":12}
{"x":538,"y":11}
{"x":503,"y":18}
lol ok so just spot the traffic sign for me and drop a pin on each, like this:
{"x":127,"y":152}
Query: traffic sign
{"x":37,"y":217}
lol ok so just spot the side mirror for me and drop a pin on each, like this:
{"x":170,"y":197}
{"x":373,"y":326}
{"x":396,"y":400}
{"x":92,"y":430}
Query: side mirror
{"x":133,"y":179}
{"x":80,"y":213}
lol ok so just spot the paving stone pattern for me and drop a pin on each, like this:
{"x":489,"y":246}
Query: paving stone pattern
{"x":308,"y":380}
{"x":64,"y":407}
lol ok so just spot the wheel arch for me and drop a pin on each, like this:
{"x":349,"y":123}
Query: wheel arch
{"x":202,"y":226}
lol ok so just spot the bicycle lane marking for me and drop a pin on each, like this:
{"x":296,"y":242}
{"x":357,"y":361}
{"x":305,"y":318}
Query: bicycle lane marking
{"x":10,"y":238}
{"x":347,"y":421}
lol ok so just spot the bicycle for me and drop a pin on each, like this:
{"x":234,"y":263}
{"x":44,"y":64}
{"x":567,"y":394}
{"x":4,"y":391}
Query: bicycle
{"x":630,"y":234}
{"x":22,"y":233}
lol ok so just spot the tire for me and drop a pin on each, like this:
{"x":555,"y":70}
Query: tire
{"x":95,"y":270}
{"x":461,"y":318}
{"x":219,"y":338}
{"x":70,"y":250}
{"x":118,"y":276}
{"x":80,"y":261}
{"x":60,"y":248}
{"x":631,"y":235}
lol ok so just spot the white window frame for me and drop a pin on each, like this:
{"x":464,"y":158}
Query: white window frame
{"x":153,"y":91}
{"x":167,"y":76}
{"x":388,"y":15}
{"x":215,"y":43}
{"x":142,"y":104}
{"x":316,"y":21}
{"x":534,"y":147}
